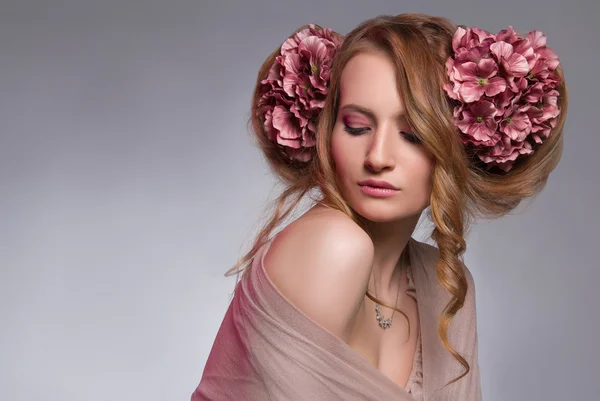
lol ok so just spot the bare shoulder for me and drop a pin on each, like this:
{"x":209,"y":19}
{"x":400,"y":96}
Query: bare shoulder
{"x":321,"y":263}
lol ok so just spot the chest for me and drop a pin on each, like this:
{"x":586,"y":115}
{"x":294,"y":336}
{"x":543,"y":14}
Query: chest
{"x":392,"y":350}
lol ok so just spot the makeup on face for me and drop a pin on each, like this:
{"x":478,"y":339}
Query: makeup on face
{"x":382,"y":164}
{"x":357,"y":119}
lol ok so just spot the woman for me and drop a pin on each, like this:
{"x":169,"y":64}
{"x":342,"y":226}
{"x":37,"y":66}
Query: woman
{"x":405,"y":114}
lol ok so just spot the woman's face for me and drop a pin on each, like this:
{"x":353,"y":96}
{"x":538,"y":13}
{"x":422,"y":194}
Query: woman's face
{"x":372,"y":139}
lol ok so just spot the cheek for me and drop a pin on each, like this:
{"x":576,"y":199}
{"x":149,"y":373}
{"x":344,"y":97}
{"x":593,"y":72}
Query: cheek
{"x":422,"y":169}
{"x":339,"y":151}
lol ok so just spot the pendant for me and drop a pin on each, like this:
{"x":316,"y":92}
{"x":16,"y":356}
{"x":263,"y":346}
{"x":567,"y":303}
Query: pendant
{"x":383,"y":322}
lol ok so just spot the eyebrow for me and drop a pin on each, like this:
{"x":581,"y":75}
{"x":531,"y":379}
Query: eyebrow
{"x":367,"y":112}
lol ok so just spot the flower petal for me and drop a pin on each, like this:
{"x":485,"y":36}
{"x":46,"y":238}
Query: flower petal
{"x":495,"y":86}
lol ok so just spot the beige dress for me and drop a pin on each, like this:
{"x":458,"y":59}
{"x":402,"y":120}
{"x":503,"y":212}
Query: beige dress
{"x":268,"y":349}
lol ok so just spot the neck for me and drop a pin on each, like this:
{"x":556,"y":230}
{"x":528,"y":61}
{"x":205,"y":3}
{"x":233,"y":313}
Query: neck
{"x":389,"y":240}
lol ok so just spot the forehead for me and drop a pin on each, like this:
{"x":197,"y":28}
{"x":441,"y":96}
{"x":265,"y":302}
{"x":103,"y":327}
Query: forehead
{"x":369,"y":80}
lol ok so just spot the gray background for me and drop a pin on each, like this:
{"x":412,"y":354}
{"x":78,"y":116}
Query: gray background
{"x":129,"y":185}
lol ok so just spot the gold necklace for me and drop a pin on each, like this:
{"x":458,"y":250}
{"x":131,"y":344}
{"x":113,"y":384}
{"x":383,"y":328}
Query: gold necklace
{"x":383,"y":322}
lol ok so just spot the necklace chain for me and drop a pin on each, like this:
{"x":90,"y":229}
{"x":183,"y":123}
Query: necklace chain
{"x":383,"y":322}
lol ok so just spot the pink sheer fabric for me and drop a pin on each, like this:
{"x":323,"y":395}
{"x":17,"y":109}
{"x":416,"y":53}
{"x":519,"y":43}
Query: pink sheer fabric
{"x":268,"y":349}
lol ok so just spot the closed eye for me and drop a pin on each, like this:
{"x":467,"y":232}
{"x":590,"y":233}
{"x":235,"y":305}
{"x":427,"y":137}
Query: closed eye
{"x":355,"y":131}
{"x":410,"y":137}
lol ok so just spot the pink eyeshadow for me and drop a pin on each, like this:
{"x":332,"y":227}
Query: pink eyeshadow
{"x":352,"y":119}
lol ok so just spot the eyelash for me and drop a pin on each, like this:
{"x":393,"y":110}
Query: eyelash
{"x":410,"y":137}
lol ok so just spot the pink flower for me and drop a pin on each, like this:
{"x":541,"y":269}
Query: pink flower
{"x":292,"y":132}
{"x":505,"y":86}
{"x":514,"y":63}
{"x":549,"y":105}
{"x":294,"y":91}
{"x":534,"y":93}
{"x":516,"y":124}
{"x":507,"y":35}
{"x":476,"y":79}
{"x":469,"y":38}
{"x":504,"y":153}
{"x":542,"y":104}
{"x":505,"y":99}
{"x":477,"y":122}
{"x":318,"y":53}
{"x":542,"y":131}
{"x":286,"y":124}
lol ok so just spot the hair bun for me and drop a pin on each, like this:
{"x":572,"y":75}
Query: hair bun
{"x":506,"y":86}
{"x":290,"y":92}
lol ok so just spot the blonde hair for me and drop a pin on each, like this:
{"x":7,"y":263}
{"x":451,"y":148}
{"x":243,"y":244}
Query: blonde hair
{"x":462,"y":189}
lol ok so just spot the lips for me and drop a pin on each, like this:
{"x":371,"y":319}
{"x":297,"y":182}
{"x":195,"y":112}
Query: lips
{"x":377,"y":184}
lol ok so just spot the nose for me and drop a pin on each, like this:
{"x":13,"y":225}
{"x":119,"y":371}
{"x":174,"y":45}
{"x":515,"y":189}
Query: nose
{"x":380,"y":153}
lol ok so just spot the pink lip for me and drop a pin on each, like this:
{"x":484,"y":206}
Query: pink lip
{"x":377,"y":184}
{"x":378,"y":189}
{"x":377,"y":192}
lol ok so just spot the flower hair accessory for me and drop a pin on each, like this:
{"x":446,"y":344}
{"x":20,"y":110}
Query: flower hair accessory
{"x":504,"y":84}
{"x":293,"y":94}
{"x":506,"y":88}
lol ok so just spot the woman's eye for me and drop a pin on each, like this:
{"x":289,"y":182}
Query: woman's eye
{"x":410,"y":137}
{"x":355,"y":131}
